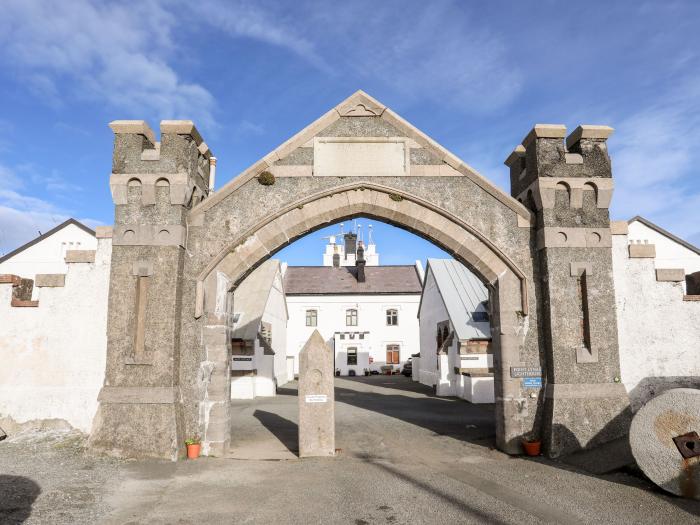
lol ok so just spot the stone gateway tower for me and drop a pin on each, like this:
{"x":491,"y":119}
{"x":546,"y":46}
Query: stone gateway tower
{"x":180,"y":250}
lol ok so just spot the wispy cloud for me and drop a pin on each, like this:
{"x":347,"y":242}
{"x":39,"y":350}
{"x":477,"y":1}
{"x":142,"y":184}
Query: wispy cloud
{"x":655,"y":160}
{"x":111,"y":53}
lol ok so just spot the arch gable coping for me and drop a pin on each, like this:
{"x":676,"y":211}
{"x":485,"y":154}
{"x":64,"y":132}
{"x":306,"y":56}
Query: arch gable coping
{"x":363,"y":100}
{"x":482,"y":261}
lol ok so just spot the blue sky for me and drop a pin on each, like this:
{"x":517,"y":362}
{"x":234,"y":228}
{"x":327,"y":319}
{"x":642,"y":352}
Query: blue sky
{"x":474,"y":75}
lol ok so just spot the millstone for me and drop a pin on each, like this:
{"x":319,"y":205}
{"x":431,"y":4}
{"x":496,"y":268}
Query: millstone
{"x":673,"y":464}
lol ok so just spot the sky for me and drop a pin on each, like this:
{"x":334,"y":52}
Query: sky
{"x":475,"y":76}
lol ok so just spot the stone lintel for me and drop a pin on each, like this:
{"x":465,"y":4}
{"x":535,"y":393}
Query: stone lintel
{"x":558,"y":237}
{"x":545,"y":131}
{"x":691,"y":297}
{"x":50,"y":280}
{"x":80,"y":256}
{"x":22,"y":303}
{"x":578,"y":268}
{"x":133,"y":127}
{"x":137,"y":395}
{"x":619,"y":228}
{"x":8,"y":278}
{"x":588,"y":132}
{"x":584,"y":390}
{"x":668,"y":274}
{"x":103,"y":232}
{"x":149,"y":235}
{"x":642,"y":251}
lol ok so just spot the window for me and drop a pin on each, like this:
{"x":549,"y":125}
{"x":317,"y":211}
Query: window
{"x":352,"y":355}
{"x":480,"y":317}
{"x":311,"y":317}
{"x":392,"y":354}
{"x":351,"y":317}
{"x":392,"y":317}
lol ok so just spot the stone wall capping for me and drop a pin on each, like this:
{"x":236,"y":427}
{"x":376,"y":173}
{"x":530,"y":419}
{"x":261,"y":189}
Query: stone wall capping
{"x":103,"y":232}
{"x":517,"y":154}
{"x":136,"y":127}
{"x":50,"y":280}
{"x":670,"y":275}
{"x":691,"y":298}
{"x":642,"y":251}
{"x":80,"y":256}
{"x":619,"y":227}
{"x":586,"y":131}
{"x":181,"y":127}
{"x":8,"y":278}
{"x":545,"y":131}
{"x":21,"y":303}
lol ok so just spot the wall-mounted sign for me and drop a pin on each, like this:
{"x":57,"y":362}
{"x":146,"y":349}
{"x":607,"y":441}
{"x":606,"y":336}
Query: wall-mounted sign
{"x":470,"y":358}
{"x":316,"y":398}
{"x":532,"y":382}
{"x":242,"y":358}
{"x":525,"y":371}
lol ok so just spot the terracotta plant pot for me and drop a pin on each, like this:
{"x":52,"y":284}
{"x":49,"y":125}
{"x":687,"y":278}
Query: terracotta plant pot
{"x":193,"y":450}
{"x":532,"y":448}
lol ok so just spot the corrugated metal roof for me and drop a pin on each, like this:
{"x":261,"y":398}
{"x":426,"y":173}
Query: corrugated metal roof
{"x":463,"y":294}
{"x":250,"y":299}
{"x":317,"y":280}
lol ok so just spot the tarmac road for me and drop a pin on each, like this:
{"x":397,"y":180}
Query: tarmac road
{"x":406,"y":457}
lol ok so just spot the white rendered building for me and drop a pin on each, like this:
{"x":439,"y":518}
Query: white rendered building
{"x":46,"y":253}
{"x":368,"y":315}
{"x":259,"y":335}
{"x":669,"y":251}
{"x":455,"y":333}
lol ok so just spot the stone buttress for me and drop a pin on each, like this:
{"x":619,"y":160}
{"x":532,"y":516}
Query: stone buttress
{"x":568,"y":184}
{"x":153,"y":184}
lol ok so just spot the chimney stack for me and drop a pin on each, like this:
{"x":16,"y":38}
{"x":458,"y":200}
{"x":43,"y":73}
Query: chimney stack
{"x":336,"y":258}
{"x":350,"y":244}
{"x":360,"y":263}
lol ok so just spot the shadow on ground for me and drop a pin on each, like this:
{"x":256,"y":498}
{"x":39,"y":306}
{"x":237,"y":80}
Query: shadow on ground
{"x":17,"y":495}
{"x":283,"y":429}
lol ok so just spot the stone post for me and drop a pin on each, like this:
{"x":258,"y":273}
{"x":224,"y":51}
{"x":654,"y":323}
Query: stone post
{"x":569,"y":187}
{"x":316,"y":399}
{"x":153,"y":184}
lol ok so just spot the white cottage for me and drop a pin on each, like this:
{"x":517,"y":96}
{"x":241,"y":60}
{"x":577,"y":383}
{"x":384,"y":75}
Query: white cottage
{"x":455,"y":333}
{"x":368,"y":314}
{"x":259,"y":334}
{"x":46,"y":254}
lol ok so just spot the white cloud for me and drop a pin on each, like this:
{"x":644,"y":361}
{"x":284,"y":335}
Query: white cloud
{"x":655,"y":160}
{"x":436,"y":52}
{"x":112,"y":53}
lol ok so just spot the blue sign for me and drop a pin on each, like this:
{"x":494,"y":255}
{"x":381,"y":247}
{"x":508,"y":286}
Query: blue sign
{"x":532,"y":382}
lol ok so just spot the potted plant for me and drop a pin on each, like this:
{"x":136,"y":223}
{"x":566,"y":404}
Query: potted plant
{"x":194,"y":446}
{"x":532,"y":445}
{"x":337,"y":372}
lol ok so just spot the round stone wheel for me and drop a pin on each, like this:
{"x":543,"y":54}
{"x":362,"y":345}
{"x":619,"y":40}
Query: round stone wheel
{"x":673,"y":414}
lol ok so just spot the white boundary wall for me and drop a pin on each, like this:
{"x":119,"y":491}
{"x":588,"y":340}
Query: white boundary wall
{"x":658,"y":331}
{"x":53,"y":355}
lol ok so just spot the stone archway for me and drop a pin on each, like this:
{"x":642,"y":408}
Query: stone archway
{"x":506,"y":281}
{"x":178,"y":247}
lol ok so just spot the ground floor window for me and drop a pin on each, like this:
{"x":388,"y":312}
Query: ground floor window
{"x":392,"y":354}
{"x":352,"y":355}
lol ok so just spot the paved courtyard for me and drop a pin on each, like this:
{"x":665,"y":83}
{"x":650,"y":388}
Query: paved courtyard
{"x":406,"y":457}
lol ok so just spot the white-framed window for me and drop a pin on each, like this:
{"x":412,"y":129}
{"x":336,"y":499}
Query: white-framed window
{"x":352,"y":355}
{"x":392,"y":317}
{"x":311,"y":317}
{"x":351,"y":317}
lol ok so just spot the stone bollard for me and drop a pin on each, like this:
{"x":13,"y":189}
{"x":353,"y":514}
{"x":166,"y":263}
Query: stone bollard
{"x":316,"y":399}
{"x":665,"y":443}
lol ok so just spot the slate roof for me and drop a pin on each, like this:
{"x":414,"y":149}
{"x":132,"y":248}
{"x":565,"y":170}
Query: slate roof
{"x":462,"y":293}
{"x":321,"y":280}
{"x":44,"y":236}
